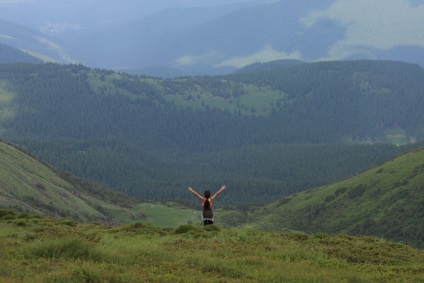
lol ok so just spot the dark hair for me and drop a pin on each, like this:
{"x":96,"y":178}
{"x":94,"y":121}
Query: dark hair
{"x":207,"y":205}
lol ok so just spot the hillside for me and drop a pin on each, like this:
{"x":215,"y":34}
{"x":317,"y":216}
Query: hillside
{"x":39,"y":249}
{"x":266,"y":133}
{"x":10,"y":54}
{"x":27,"y":185}
{"x":387,"y":201}
{"x":35,"y":43}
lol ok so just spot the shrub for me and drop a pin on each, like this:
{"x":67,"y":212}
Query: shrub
{"x":212,"y":228}
{"x":198,"y":231}
{"x":69,"y":222}
{"x":329,"y":198}
{"x":21,"y":223}
{"x":67,"y":249}
{"x":185,"y":229}
{"x":23,"y":215}
{"x":284,"y":201}
{"x":321,"y":236}
{"x":6,"y":214}
{"x":357,"y":191}
{"x":84,"y":275}
{"x":340,"y":191}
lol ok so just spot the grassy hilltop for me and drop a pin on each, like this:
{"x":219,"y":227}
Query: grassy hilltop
{"x":40,"y":249}
{"x":386,"y":200}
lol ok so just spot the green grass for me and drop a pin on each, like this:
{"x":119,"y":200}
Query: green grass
{"x":256,"y":101}
{"x":263,"y":100}
{"x":48,"y":250}
{"x":168,"y":215}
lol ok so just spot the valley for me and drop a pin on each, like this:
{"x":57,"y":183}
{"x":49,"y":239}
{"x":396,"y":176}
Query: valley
{"x":309,"y":113}
{"x":150,"y":137}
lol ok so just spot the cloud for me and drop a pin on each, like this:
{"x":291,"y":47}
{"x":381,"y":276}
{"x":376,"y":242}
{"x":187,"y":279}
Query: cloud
{"x":210,"y":56}
{"x":266,"y":54}
{"x":378,"y":24}
{"x":53,"y":28}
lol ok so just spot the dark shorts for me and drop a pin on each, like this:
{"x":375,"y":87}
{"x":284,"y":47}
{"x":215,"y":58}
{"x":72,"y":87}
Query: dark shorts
{"x":207,"y":222}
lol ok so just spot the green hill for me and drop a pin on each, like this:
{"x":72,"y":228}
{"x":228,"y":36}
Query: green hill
{"x":40,"y":249}
{"x":27,"y":185}
{"x":387,"y":201}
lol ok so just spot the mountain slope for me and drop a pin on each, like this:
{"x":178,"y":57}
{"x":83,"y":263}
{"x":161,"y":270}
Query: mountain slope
{"x":9,"y":54}
{"x":35,"y":43}
{"x":26,"y":185}
{"x":387,"y":201}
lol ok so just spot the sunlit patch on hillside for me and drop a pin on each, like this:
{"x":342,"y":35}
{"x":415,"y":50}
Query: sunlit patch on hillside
{"x":249,"y":104}
{"x":55,"y":47}
{"x":40,"y":56}
{"x":7,"y":111}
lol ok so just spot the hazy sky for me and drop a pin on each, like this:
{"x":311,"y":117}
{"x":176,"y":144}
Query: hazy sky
{"x":148,"y":4}
{"x":35,"y":13}
{"x":378,"y":24}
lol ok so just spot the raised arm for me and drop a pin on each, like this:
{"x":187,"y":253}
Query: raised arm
{"x":218,"y":192}
{"x":196,"y":194}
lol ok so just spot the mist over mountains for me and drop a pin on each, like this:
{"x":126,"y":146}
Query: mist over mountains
{"x":218,"y":37}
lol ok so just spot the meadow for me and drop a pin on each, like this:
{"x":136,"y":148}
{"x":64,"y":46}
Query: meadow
{"x":40,"y":249}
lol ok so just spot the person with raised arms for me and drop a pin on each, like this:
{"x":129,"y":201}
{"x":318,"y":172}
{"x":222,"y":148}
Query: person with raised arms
{"x":207,"y":199}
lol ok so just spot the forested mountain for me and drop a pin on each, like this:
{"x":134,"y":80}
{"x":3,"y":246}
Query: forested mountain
{"x":9,"y":54}
{"x":267,"y":134}
{"x":29,"y":186}
{"x":358,"y":99}
{"x":385,"y":201}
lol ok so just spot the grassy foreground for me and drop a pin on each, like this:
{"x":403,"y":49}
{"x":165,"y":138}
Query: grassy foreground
{"x":39,"y":249}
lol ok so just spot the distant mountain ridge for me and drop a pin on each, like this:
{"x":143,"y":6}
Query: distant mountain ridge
{"x":34,"y":43}
{"x":221,"y":39}
{"x":269,"y":66}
